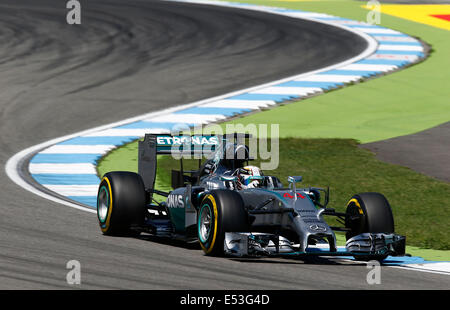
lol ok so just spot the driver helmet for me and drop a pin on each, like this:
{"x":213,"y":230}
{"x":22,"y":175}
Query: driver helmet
{"x":235,"y":155}
{"x":246,"y":175}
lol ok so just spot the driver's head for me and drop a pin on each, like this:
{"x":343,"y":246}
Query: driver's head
{"x":249,"y":176}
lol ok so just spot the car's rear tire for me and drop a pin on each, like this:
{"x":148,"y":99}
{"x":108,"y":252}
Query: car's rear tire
{"x":220,"y":211}
{"x":121,"y":202}
{"x":369,"y":213}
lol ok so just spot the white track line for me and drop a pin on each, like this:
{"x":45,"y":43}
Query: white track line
{"x":442,"y":268}
{"x":78,"y":149}
{"x":62,"y":168}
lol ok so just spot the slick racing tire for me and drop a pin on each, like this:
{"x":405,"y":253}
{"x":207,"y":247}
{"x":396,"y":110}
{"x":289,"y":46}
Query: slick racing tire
{"x":220,"y":211}
{"x":369,"y":213}
{"x":121,"y":202}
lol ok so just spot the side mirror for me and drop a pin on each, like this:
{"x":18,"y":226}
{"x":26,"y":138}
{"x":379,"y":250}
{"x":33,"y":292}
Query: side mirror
{"x":294,"y":179}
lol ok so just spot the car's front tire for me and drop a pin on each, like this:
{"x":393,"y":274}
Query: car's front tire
{"x":369,"y":213}
{"x":219,"y":212}
{"x":121,"y":202}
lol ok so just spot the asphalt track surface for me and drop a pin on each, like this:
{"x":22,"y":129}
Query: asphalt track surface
{"x":427,"y":152}
{"x":129,"y":58}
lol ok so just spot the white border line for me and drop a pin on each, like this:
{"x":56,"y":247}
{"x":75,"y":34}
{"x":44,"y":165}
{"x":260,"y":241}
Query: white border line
{"x":414,"y":268}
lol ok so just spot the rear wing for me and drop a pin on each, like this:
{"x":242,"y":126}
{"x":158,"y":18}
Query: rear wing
{"x":164,"y":144}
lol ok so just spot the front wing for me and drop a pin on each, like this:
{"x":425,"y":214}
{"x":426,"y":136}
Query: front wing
{"x":261,"y":244}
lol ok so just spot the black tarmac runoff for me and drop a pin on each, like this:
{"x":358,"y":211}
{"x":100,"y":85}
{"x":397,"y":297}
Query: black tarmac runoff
{"x":128,"y":58}
{"x":427,"y":152}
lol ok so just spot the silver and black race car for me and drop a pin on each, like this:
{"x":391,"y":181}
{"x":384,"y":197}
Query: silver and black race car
{"x":212,"y":206}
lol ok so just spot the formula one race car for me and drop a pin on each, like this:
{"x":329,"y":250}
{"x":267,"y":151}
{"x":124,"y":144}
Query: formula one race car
{"x":234,"y":209}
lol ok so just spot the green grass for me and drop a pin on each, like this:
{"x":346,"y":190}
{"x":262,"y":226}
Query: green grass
{"x":400,"y":103}
{"x":418,"y":201}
